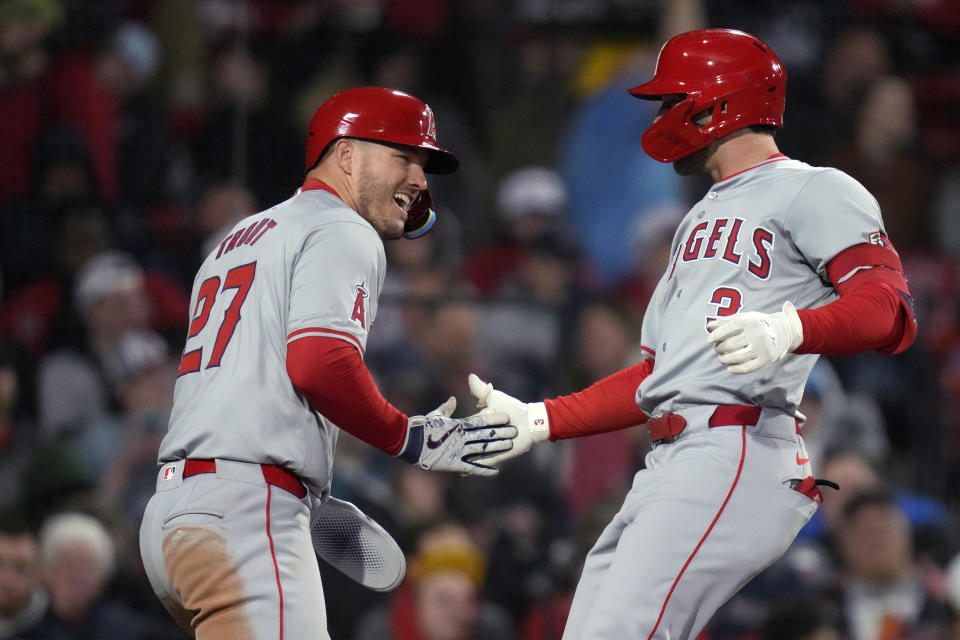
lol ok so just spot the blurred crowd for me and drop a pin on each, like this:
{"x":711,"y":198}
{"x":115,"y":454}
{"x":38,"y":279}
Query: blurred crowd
{"x":136,"y":131}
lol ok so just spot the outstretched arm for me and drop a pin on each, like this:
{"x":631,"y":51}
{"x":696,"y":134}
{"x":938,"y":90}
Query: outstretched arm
{"x":608,"y":405}
{"x":334,"y":380}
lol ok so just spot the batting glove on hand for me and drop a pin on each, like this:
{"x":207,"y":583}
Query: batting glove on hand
{"x":440,"y":443}
{"x":530,"y":419}
{"x":747,"y":341}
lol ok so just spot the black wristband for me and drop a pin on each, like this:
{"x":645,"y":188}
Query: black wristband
{"x":413,"y":448}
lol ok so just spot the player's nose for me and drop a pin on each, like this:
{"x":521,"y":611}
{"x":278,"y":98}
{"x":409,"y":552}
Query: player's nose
{"x":417,"y":177}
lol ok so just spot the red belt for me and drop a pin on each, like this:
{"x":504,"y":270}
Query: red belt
{"x":666,"y":427}
{"x":272,"y":474}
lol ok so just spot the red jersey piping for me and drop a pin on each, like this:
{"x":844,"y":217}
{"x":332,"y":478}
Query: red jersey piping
{"x":349,"y":337}
{"x":273,"y":556}
{"x":777,"y":157}
{"x":312,"y":184}
{"x":736,"y":480}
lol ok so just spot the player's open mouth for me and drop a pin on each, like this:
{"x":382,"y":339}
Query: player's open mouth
{"x":403,"y":201}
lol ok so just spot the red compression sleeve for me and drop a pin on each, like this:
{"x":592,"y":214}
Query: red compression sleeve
{"x":875,"y":310}
{"x":868,"y":316}
{"x":607,"y":405}
{"x":333,"y":378}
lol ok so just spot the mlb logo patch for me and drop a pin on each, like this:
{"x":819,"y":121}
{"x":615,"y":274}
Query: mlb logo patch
{"x":169,"y":472}
{"x":880,"y":238}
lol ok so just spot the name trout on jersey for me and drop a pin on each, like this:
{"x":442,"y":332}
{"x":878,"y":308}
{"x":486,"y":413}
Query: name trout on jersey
{"x":720,"y":238}
{"x":246,"y":236}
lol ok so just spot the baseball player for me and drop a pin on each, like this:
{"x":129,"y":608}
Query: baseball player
{"x":779,"y":262}
{"x":273,"y":366}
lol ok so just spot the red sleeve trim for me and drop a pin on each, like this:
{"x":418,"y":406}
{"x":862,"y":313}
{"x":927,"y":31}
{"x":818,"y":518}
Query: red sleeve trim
{"x":875,"y":310}
{"x":325,"y":333}
{"x":873,"y":274}
{"x":333,"y":379}
{"x":608,"y":405}
{"x":864,"y":255}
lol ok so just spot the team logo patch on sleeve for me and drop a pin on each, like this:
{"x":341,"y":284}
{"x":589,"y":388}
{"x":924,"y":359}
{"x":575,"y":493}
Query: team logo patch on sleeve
{"x":359,"y":314}
{"x":879,"y":238}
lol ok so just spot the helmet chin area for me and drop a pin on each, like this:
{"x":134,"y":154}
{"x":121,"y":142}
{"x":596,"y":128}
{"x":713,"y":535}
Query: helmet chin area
{"x":674,"y":135}
{"x":421,"y":217}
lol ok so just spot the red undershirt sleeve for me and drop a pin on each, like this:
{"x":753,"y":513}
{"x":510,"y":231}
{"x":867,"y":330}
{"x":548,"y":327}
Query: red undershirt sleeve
{"x":864,"y":319}
{"x":333,"y":378}
{"x":607,"y":405}
{"x":874,"y":312}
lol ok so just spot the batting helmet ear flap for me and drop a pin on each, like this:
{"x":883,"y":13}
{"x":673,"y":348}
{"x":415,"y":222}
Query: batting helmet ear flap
{"x":421,"y":217}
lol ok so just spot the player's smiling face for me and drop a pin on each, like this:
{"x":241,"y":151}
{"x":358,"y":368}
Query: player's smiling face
{"x":389,"y":180}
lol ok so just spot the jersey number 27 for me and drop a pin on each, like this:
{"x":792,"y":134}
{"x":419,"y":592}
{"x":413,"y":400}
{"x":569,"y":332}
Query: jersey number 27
{"x":239,"y":278}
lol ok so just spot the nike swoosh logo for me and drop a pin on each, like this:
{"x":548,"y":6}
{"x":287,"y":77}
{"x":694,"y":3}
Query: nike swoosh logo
{"x":802,"y":460}
{"x":433,"y":444}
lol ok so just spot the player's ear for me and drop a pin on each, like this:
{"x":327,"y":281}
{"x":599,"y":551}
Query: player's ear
{"x":346,"y":154}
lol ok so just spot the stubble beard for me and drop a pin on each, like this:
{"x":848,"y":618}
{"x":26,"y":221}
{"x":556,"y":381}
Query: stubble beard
{"x":381,"y":217}
{"x":692,"y":164}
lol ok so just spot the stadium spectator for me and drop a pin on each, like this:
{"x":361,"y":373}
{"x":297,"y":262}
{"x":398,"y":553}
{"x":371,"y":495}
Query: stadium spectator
{"x":77,"y":560}
{"x":442,"y":597}
{"x":886,"y":592}
{"x":22,"y":599}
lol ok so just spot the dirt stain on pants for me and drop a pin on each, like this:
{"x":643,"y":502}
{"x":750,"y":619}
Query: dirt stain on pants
{"x":202,"y":573}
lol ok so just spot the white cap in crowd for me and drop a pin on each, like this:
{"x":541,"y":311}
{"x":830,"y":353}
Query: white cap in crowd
{"x":70,"y":528}
{"x":531,"y":190}
{"x":104,"y":273}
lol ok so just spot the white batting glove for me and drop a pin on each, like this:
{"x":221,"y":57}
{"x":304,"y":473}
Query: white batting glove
{"x":440,"y":443}
{"x":750,"y":340}
{"x":529,"y":419}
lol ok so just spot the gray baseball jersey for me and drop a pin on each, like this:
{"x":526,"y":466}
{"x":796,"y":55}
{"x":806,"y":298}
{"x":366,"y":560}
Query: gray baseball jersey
{"x":725,"y":499}
{"x":756,"y":240}
{"x":226,"y":544}
{"x":307,"y":267}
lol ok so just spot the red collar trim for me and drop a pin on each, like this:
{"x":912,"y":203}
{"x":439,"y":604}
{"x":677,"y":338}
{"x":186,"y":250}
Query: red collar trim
{"x":774,"y":158}
{"x":312,"y":184}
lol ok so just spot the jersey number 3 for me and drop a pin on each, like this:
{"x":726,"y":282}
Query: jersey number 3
{"x":239,"y":278}
{"x":727,"y":300}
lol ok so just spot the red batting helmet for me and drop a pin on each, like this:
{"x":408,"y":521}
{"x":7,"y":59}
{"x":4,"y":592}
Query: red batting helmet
{"x":728,"y":72}
{"x":381,"y":115}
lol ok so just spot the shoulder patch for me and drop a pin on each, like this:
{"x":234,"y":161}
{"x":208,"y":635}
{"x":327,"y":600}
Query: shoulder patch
{"x":880,"y":238}
{"x":359,"y":314}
